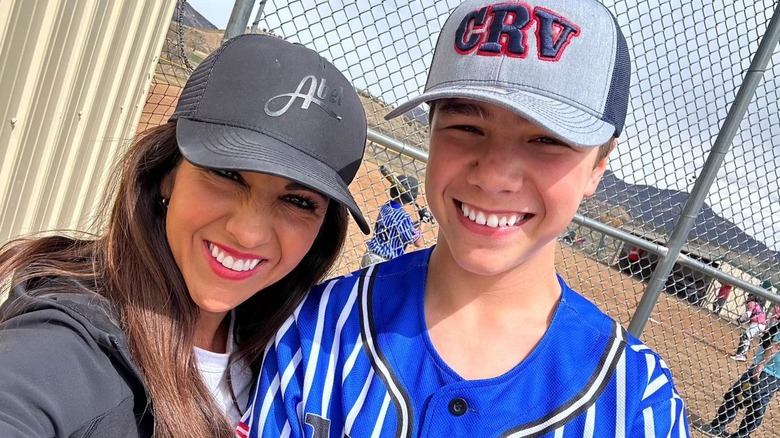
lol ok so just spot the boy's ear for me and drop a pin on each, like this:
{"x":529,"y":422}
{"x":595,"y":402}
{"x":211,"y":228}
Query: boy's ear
{"x":598,"y":170}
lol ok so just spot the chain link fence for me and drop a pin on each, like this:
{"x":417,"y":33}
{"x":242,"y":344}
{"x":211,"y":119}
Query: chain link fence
{"x":689,"y":60}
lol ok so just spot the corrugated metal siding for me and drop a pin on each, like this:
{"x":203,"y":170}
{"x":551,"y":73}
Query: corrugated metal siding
{"x":74,"y":76}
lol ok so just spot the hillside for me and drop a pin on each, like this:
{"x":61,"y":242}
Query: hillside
{"x":661,"y":208}
{"x":192,"y":18}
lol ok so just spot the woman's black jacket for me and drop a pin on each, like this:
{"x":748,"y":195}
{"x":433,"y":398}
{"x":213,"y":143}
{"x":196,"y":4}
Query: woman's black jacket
{"x":65,"y":368}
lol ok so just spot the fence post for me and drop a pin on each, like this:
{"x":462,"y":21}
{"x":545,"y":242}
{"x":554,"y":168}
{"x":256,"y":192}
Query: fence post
{"x":258,"y":16}
{"x":703,"y":183}
{"x":239,"y":17}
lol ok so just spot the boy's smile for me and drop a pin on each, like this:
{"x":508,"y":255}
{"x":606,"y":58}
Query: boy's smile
{"x":502,"y":187}
{"x":495,"y":220}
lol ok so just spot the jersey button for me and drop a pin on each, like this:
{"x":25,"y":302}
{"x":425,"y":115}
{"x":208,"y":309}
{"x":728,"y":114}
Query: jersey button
{"x":458,"y":406}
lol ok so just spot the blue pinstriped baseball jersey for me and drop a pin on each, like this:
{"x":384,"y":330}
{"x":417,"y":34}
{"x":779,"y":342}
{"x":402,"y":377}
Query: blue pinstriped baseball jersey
{"x":355,"y":361}
{"x":393,"y":231}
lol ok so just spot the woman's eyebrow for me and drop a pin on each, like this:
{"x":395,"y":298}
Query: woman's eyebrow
{"x":292,"y":185}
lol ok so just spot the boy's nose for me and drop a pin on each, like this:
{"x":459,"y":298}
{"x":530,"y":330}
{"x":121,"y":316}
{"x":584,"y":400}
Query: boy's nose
{"x":497,"y":168}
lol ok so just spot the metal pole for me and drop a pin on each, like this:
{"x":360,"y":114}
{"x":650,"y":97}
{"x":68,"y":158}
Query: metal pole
{"x":401,"y":148}
{"x":258,"y":16}
{"x":702,"y":186}
{"x":239,"y":17}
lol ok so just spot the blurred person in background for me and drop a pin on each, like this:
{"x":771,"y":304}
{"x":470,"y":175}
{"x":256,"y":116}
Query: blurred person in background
{"x":752,"y":391}
{"x":394,"y":229}
{"x":720,"y":299}
{"x":755,"y":318}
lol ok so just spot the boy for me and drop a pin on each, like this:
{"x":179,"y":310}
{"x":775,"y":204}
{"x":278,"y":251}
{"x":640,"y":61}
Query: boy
{"x":479,"y":337}
{"x":394,"y":229}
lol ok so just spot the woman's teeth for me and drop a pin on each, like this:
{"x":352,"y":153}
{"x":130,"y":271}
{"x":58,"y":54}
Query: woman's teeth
{"x":229,"y":262}
{"x":490,"y":220}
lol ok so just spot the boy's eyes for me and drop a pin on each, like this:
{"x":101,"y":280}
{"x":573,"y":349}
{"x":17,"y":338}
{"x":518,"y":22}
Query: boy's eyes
{"x":543,"y":139}
{"x":549,"y":140}
{"x":466,"y":128}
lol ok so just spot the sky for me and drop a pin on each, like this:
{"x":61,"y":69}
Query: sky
{"x":218,"y":11}
{"x":688,"y":56}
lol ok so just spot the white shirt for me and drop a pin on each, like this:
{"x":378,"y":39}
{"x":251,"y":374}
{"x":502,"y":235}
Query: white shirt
{"x":212,"y":368}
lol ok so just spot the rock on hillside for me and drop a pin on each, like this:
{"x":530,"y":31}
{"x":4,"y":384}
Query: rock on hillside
{"x":192,"y":18}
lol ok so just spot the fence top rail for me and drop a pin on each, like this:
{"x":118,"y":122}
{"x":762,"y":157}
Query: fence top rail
{"x":397,"y":146}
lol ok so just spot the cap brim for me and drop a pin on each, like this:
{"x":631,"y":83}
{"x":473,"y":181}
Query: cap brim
{"x":225,"y":147}
{"x":570,"y":124}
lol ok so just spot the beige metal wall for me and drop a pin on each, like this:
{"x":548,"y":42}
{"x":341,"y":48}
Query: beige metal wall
{"x":74,"y":75}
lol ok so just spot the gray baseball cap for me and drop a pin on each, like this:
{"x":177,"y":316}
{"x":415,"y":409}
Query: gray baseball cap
{"x":562,"y":64}
{"x":262,"y":104}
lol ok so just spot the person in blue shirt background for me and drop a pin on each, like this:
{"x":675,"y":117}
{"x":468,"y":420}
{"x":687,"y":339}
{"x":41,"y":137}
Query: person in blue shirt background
{"x":394,"y":229}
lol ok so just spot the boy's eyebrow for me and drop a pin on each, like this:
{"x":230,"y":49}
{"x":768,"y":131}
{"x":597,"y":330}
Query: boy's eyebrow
{"x":470,"y":108}
{"x":465,"y":109}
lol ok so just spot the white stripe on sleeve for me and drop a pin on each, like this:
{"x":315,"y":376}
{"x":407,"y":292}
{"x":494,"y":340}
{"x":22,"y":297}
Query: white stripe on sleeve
{"x":355,"y":410}
{"x":380,"y":421}
{"x":327,"y":387}
{"x":311,"y":366}
{"x":647,"y":414}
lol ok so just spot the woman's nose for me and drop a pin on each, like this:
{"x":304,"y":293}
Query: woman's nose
{"x":251,"y":225}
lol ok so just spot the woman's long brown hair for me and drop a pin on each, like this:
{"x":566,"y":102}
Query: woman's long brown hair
{"x":132,"y":266}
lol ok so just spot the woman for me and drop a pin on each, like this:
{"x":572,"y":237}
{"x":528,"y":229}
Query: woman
{"x":222,"y":219}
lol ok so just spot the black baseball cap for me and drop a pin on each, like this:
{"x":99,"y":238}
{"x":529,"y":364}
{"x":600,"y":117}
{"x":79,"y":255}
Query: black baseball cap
{"x":262,"y":104}
{"x":411,"y":188}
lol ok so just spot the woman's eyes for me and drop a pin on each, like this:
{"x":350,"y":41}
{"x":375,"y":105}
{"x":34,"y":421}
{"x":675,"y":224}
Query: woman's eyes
{"x":301,"y":201}
{"x":229,"y":174}
{"x":304,"y":202}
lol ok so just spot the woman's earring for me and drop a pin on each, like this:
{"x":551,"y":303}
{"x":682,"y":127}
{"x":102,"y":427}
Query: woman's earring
{"x":164,"y":202}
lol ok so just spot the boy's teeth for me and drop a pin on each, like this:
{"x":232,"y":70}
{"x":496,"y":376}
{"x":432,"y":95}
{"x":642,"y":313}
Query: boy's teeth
{"x":231,"y":263}
{"x":490,"y":220}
